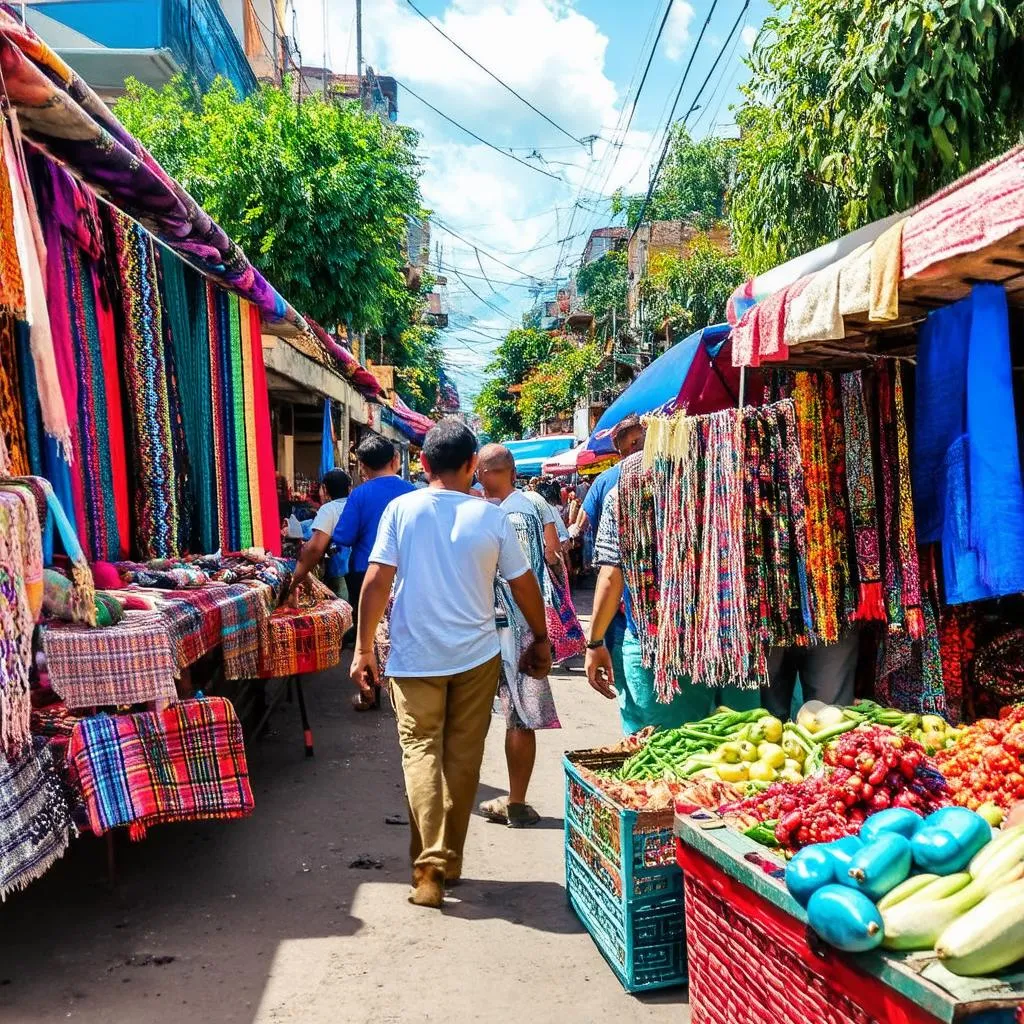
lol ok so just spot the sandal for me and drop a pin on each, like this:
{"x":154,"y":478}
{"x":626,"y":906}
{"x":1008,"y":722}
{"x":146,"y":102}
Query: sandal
{"x":495,"y":810}
{"x":521,"y":816}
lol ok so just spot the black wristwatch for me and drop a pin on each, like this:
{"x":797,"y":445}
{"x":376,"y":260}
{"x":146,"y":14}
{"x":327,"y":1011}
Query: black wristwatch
{"x":593,"y":645}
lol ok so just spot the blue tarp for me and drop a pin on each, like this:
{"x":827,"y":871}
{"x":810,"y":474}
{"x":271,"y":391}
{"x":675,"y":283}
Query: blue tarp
{"x":327,"y":441}
{"x":531,"y":454}
{"x":657,"y":388}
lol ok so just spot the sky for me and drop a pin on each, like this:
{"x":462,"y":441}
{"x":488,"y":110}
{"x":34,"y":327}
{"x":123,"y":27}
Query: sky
{"x":577,"y":62}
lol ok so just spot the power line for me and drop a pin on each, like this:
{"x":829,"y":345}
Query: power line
{"x":675,"y":103}
{"x":711,"y":70}
{"x":473,"y":245}
{"x":643,"y":78}
{"x":484,"y":277}
{"x":488,"y":304}
{"x":490,"y":145}
{"x":505,"y":85}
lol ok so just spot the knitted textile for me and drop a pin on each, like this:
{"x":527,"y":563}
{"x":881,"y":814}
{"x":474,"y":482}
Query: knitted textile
{"x":35,"y":817}
{"x":264,"y":440}
{"x":14,"y":451}
{"x":564,"y":627}
{"x":146,"y":380}
{"x":639,"y":538}
{"x":129,"y":663}
{"x":185,"y":763}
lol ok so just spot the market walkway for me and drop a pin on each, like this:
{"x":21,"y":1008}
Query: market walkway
{"x":267,"y":921}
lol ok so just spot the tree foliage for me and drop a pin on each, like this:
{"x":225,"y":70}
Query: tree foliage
{"x":522,"y":349}
{"x":556,"y":385}
{"x":691,"y":186}
{"x":856,"y":109}
{"x":316,"y":193}
{"x":604,"y":285}
{"x":688,"y":292}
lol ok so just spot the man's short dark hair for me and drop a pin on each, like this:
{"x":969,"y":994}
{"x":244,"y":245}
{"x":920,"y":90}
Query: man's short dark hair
{"x":337,"y":483}
{"x":625,"y":426}
{"x":375,"y":452}
{"x":449,"y":446}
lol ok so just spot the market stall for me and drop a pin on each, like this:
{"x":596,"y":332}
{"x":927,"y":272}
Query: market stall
{"x":139,"y":527}
{"x":861,"y":493}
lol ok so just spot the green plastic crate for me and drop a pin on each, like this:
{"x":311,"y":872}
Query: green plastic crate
{"x":622,"y":879}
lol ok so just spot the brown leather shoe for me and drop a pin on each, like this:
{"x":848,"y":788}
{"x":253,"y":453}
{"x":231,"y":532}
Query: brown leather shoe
{"x":427,"y":886}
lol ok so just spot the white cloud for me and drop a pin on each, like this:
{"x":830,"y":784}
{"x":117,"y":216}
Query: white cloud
{"x":748,"y":35}
{"x":677,"y":30}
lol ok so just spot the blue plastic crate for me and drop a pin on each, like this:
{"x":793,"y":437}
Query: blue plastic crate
{"x":622,"y":879}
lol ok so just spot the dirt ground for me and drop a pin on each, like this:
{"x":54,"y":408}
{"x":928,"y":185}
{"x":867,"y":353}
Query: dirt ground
{"x":270,"y":920}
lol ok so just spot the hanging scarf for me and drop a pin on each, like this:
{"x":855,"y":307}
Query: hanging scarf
{"x":264,"y":439}
{"x":215,"y":304}
{"x":14,"y":452}
{"x":911,"y":575}
{"x":860,"y":479}
{"x":839,"y":513}
{"x":251,"y":450}
{"x":146,"y":381}
{"x":822,"y":556}
{"x":12,"y":285}
{"x":639,"y":543}
{"x":237,"y":394}
{"x":32,"y":256}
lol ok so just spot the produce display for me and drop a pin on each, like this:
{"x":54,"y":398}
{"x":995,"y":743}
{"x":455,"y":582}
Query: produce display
{"x":909,"y":882}
{"x":986,"y":765}
{"x":661,"y":794}
{"x":868,"y":768}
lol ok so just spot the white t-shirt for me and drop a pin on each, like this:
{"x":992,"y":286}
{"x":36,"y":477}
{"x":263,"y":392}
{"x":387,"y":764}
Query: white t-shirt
{"x":540,"y":505}
{"x":328,"y":515}
{"x":447,"y":547}
{"x":518,"y":502}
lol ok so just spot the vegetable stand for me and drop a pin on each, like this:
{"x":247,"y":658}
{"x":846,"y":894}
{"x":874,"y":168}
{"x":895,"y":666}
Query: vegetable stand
{"x":753,"y":960}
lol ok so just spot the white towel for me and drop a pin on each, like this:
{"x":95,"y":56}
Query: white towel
{"x":855,"y":281}
{"x":813,"y":314}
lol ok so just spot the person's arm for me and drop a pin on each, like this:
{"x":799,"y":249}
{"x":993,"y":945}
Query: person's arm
{"x":529,"y":600}
{"x":373,"y":600}
{"x":607,"y":598}
{"x":312,"y":551}
{"x":552,"y":545}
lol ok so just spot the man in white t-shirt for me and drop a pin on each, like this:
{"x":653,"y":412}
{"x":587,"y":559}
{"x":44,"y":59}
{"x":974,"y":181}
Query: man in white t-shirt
{"x":441,"y":548}
{"x":334,"y":491}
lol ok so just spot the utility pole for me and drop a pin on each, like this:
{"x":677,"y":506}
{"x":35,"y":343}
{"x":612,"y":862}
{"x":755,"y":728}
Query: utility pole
{"x":359,"y":46}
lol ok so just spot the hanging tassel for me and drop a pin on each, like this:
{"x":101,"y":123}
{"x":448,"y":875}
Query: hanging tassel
{"x":871,"y":606}
{"x":915,"y":623}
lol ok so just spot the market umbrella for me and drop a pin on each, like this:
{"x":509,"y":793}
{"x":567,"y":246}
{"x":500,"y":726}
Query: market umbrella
{"x":563,"y":464}
{"x":656,"y":389}
{"x":327,"y":441}
{"x":531,"y":453}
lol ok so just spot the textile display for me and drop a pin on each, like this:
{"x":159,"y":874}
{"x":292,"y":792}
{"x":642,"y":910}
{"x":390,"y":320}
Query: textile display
{"x":14,"y":449}
{"x":185,"y":763}
{"x":129,"y":663}
{"x":251,"y":452}
{"x":886,"y":267}
{"x":967,"y":486}
{"x":28,"y":239}
{"x":35,"y":817}
{"x":146,"y":382}
{"x":564,"y":627}
{"x":239,"y":440}
{"x":308,"y":638}
{"x":61,"y":115}
{"x":265,"y":464}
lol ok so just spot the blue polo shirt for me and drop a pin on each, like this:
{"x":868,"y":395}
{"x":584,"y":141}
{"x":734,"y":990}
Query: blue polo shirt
{"x":357,"y":527}
{"x":593,"y":503}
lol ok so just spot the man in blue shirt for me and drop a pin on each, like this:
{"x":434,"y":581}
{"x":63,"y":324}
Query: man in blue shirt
{"x":628,"y":437}
{"x":357,"y":527}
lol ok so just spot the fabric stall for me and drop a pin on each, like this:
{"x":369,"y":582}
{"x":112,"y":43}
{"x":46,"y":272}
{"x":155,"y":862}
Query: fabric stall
{"x":139,"y":529}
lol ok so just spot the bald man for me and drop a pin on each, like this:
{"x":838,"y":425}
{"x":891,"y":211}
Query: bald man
{"x":528,"y":703}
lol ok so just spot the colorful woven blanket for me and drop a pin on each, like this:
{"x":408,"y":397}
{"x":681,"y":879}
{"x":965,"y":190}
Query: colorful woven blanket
{"x":294,"y":641}
{"x":35,"y":817}
{"x":124,"y":664}
{"x":185,"y":763}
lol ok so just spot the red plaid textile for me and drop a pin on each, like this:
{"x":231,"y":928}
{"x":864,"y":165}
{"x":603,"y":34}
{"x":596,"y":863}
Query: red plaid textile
{"x":129,"y":663}
{"x":185,"y":763}
{"x":299,"y":640}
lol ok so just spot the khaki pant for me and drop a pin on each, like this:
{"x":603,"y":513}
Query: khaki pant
{"x":442,"y":725}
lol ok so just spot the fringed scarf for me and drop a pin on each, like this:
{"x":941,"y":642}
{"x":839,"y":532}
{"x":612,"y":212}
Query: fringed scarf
{"x":823,"y":558}
{"x":638,"y":538}
{"x":146,"y":381}
{"x":860,"y":481}
{"x":32,"y":256}
{"x":14,"y":450}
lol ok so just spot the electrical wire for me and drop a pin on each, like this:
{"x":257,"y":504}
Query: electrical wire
{"x":667,"y":136}
{"x":473,"y":245}
{"x":717,"y":86}
{"x":490,"y":145}
{"x":490,"y":305}
{"x":505,"y":85}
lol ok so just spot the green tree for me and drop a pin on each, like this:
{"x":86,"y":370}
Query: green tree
{"x":604,"y":285}
{"x":688,"y":292}
{"x":691,"y":186}
{"x":317,"y":194}
{"x":857,"y":108}
{"x":520,"y":351}
{"x":555,"y":386}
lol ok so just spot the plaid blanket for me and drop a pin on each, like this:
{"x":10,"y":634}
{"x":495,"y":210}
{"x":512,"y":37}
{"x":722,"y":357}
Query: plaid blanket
{"x":241,"y":623}
{"x":305,"y":639}
{"x":184,"y":763}
{"x":35,"y":817}
{"x":128,"y":663}
{"x":196,"y":619}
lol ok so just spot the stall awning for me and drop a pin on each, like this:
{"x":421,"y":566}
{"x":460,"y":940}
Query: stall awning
{"x":657,"y":388}
{"x":531,"y":453}
{"x":563,"y":464}
{"x":863,"y":294}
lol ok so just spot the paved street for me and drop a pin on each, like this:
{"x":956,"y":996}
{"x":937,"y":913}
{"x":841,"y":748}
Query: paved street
{"x":266,"y":921}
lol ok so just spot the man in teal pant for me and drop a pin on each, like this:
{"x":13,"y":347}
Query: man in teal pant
{"x":624,"y":676}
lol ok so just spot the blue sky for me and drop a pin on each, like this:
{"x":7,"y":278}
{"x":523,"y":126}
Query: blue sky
{"x":574,"y":60}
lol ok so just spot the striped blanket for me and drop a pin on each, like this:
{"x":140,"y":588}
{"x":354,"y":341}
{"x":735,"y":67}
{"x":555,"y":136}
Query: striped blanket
{"x":185,"y":763}
{"x":35,"y":817}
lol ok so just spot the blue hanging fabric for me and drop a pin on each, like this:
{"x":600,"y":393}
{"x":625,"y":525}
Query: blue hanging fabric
{"x":327,"y":441}
{"x":966,"y":470}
